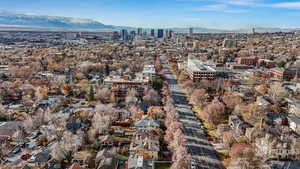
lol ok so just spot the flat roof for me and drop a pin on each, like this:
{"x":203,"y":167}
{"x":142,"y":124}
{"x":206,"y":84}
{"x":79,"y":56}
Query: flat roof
{"x":198,"y":66}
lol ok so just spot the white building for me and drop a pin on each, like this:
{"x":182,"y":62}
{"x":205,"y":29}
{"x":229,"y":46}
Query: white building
{"x":149,"y":72}
{"x":199,"y":70}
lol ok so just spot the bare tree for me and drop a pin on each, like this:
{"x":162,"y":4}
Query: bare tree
{"x":151,"y":98}
{"x":277,"y":92}
{"x":231,"y":100}
{"x":131,"y":97}
{"x":214,"y":113}
{"x":58,"y":152}
{"x":41,"y":93}
{"x":181,"y":159}
{"x":103,"y":94}
{"x":198,"y":97}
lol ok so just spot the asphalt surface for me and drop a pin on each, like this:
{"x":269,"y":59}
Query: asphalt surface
{"x":204,"y":156}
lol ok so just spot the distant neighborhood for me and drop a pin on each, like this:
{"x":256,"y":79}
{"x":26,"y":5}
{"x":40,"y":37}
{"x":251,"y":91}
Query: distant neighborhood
{"x":149,"y":99}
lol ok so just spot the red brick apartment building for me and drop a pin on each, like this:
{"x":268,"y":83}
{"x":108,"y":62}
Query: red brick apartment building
{"x":247,"y":60}
{"x":285,"y":74}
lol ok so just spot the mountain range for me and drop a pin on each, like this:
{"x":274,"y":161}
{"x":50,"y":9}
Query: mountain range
{"x":13,"y":21}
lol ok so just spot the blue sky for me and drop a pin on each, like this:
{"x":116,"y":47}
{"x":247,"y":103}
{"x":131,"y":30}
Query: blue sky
{"x":221,"y":14}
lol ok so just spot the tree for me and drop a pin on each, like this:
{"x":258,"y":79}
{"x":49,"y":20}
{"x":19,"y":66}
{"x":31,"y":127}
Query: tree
{"x":189,"y":87}
{"x":103,"y":94}
{"x":67,"y":89}
{"x":171,"y":129}
{"x":137,"y":113}
{"x":151,"y":98}
{"x":155,"y":112}
{"x":178,"y":139}
{"x":41,"y":93}
{"x":281,"y":63}
{"x":215,"y":113}
{"x":198,"y":97}
{"x":277,"y":92}
{"x":157,"y":84}
{"x":58,"y":152}
{"x":103,"y":117}
{"x":29,"y":124}
{"x":131,"y":97}
{"x":91,"y":96}
{"x":262,"y":89}
{"x":231,"y":100}
{"x":181,"y":159}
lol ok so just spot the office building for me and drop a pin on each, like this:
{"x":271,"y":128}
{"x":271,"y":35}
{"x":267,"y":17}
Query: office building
{"x":140,"y":31}
{"x":191,"y":31}
{"x":132,"y":35}
{"x":124,"y":34}
{"x":152,"y":33}
{"x":115,"y":35}
{"x":160,"y":33}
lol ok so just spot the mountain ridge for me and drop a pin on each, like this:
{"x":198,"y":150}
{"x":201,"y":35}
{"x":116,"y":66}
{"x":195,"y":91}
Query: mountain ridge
{"x":9,"y":20}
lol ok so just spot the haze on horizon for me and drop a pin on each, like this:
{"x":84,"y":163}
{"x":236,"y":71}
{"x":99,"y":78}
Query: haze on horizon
{"x":220,"y":14}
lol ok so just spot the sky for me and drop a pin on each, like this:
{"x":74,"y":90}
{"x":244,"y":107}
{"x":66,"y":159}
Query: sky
{"x":219,"y":14}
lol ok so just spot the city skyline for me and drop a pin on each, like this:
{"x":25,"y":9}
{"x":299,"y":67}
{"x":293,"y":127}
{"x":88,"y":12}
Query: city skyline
{"x":217,"y":14}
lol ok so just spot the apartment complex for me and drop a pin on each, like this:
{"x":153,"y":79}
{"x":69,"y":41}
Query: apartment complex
{"x":121,"y":85}
{"x":285,"y":74}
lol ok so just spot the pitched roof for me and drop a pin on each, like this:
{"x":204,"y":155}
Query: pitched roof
{"x":75,"y":166}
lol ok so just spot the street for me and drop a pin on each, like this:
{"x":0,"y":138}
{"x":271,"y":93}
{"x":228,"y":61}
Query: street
{"x":204,"y":156}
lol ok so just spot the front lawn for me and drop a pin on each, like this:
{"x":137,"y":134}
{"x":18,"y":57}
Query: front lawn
{"x":162,"y":166}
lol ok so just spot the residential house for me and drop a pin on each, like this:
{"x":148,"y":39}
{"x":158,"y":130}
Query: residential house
{"x":139,"y":162}
{"x":294,"y":123}
{"x":148,"y":148}
{"x":8,"y":129}
{"x":76,"y":166}
{"x":145,"y":124}
{"x":41,"y":158}
{"x":238,"y":125}
{"x":273,"y":147}
{"x":107,"y":159}
{"x":83,"y":158}
{"x":107,"y":141}
{"x":263,"y":101}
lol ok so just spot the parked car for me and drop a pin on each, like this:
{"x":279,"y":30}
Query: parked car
{"x":35,"y":134}
{"x":16,"y":150}
{"x":31,"y":159}
{"x":25,"y":156}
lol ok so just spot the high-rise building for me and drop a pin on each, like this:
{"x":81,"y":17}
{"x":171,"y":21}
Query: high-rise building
{"x":124,"y":34}
{"x":191,"y":31}
{"x":152,"y":32}
{"x":160,"y":33}
{"x":115,"y":35}
{"x":140,"y":31}
{"x":132,"y":35}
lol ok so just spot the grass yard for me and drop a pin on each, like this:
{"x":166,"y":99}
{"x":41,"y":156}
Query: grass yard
{"x":123,"y":157}
{"x":162,"y":166}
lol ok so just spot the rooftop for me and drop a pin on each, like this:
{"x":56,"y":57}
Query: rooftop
{"x":198,"y":66}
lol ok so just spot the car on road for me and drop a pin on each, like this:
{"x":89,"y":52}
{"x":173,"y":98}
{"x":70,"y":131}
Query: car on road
{"x":25,"y":156}
{"x":35,"y":134}
{"x":16,"y":150}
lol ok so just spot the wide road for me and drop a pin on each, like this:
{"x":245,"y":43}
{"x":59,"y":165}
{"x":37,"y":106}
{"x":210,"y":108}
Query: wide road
{"x":204,"y":156}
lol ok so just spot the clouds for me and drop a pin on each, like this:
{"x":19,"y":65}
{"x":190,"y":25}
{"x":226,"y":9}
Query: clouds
{"x":220,"y":8}
{"x":289,"y":5}
{"x":240,"y":6}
